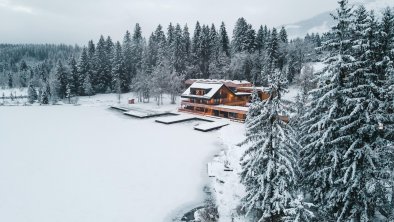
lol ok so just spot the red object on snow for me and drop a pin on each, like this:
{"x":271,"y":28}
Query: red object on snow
{"x":131,"y":101}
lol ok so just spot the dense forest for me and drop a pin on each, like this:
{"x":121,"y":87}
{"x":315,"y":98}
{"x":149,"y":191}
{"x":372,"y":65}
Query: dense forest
{"x":333,"y":161}
{"x":157,"y":65}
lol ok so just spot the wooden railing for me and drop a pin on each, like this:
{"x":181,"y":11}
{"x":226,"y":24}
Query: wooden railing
{"x":220,"y":102}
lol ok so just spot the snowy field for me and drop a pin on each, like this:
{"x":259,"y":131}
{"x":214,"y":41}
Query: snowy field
{"x":87,"y":163}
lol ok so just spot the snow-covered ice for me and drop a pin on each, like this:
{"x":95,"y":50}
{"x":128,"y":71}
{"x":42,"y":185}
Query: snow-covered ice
{"x":87,"y":163}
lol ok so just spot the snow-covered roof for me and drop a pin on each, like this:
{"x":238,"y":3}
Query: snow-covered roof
{"x":227,"y":82}
{"x":213,"y":88}
{"x":258,"y":88}
{"x":243,"y":94}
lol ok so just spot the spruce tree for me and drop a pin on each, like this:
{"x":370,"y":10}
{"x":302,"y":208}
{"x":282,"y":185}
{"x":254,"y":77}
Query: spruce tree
{"x":31,"y":94}
{"x":342,"y":156}
{"x":87,"y":86}
{"x":128,"y":57}
{"x":224,"y":40}
{"x":136,"y":50}
{"x":260,"y":39}
{"x":61,"y":80}
{"x":102,"y":80}
{"x":240,"y":36}
{"x":196,"y":52}
{"x":110,"y":50}
{"x":283,"y":35}
{"x":176,"y":50}
{"x":84,"y":70}
{"x":272,"y":59}
{"x":74,"y":79}
{"x":119,"y":77}
{"x":10,"y":81}
{"x":269,"y":165}
{"x":186,"y":43}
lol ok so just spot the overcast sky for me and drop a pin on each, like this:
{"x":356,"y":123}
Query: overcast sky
{"x":77,"y":21}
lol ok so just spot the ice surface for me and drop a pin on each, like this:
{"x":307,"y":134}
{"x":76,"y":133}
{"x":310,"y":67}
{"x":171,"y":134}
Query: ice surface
{"x":88,"y":163}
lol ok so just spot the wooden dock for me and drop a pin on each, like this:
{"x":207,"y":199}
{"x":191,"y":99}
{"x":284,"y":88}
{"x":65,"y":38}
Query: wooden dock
{"x":181,"y":118}
{"x":210,"y":126}
{"x":145,"y":113}
{"x":119,"y":108}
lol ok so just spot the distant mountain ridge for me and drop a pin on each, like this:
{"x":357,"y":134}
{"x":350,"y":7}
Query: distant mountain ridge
{"x":323,"y":22}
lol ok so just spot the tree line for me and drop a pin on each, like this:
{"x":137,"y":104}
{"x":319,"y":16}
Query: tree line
{"x":333,"y":161}
{"x":157,"y":65}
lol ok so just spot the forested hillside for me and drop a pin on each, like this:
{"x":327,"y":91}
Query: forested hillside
{"x":158,"y":64}
{"x":333,"y":160}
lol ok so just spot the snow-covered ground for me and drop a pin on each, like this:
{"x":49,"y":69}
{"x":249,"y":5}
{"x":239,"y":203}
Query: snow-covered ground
{"x":15,"y":91}
{"x":226,"y":185}
{"x":88,"y":163}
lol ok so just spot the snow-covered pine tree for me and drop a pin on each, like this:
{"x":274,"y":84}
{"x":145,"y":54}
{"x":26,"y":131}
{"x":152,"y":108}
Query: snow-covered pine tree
{"x":91,"y":52}
{"x":176,"y":50}
{"x":204,"y":57}
{"x":109,"y":51}
{"x":74,"y":82}
{"x":186,"y":45}
{"x":31,"y":94}
{"x":386,"y":37}
{"x":128,"y":57}
{"x":283,"y":35}
{"x":224,"y":41}
{"x":299,"y":210}
{"x":340,"y":158}
{"x":170,"y":34}
{"x":119,"y":80}
{"x":272,"y":53}
{"x":61,"y":80}
{"x":87,"y":86}
{"x":159,"y":80}
{"x":117,"y":71}
{"x":136,"y":50}
{"x":243,"y":37}
{"x":102,"y":80}
{"x":254,"y":111}
{"x":69,"y":93}
{"x":175,"y":83}
{"x":45,"y":94}
{"x":10,"y":81}
{"x":214,"y":46}
{"x":83,"y":70}
{"x":269,"y":165}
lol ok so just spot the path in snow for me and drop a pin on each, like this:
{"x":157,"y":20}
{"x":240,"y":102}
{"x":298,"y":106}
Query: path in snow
{"x":67,"y":163}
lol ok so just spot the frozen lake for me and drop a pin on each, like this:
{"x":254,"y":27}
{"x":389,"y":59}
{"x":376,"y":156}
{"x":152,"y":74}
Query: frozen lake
{"x":80,"y":163}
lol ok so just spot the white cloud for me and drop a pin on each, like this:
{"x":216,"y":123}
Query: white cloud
{"x":15,"y":7}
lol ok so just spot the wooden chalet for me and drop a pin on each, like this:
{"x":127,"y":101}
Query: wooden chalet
{"x":222,"y":98}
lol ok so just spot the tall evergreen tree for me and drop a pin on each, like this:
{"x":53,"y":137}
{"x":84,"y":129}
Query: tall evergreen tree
{"x":137,"y":48}
{"x":74,"y":80}
{"x":62,"y":80}
{"x":269,"y":166}
{"x":102,"y":80}
{"x":186,"y":43}
{"x":128,"y":56}
{"x":272,"y":58}
{"x":260,"y":39}
{"x":176,"y":50}
{"x":343,"y":148}
{"x":239,"y":41}
{"x":283,"y":35}
{"x":224,"y":40}
{"x":119,"y":77}
{"x":83,"y":70}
